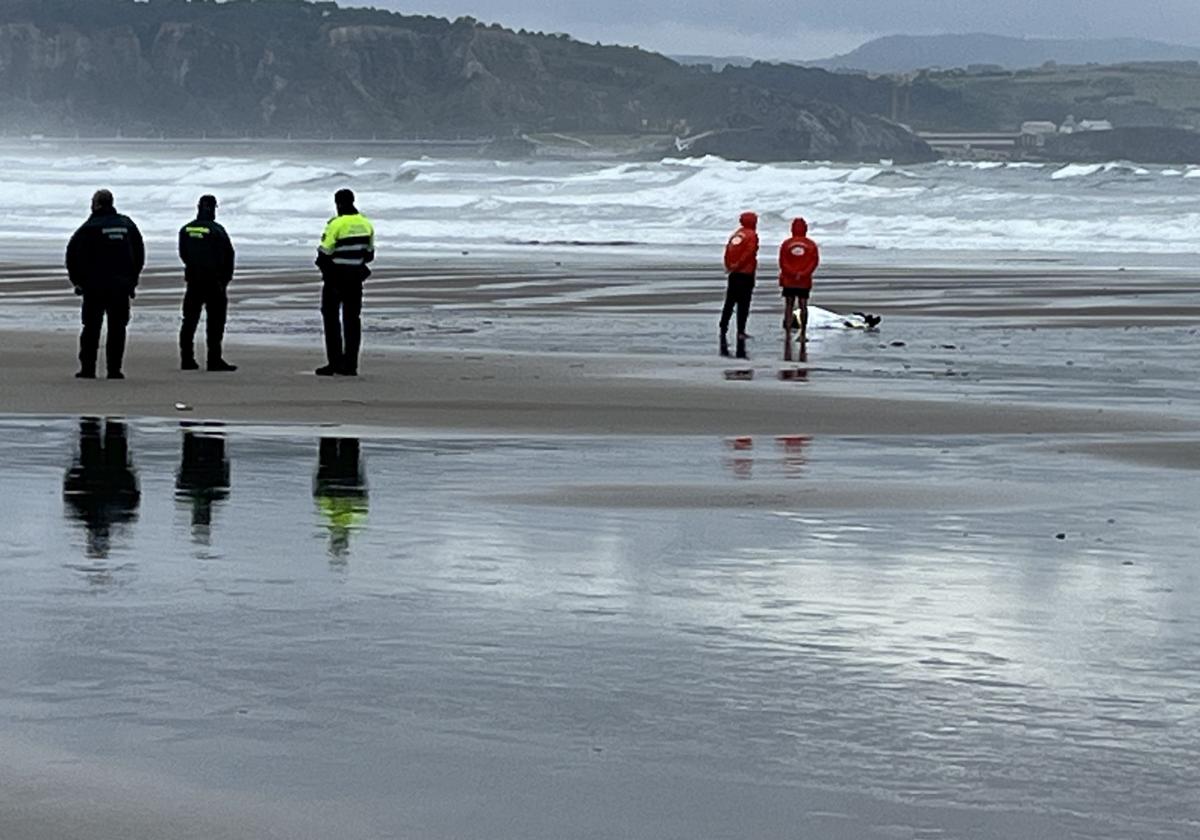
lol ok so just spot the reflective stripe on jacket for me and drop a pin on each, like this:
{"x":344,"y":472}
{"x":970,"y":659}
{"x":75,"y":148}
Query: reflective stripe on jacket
{"x":347,"y":246}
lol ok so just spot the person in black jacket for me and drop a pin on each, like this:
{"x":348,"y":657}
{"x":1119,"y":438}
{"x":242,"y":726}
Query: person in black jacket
{"x":207,"y":256}
{"x":105,"y":258}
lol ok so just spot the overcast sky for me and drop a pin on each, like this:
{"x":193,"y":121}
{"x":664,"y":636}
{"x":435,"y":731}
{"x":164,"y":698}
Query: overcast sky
{"x":804,"y":29}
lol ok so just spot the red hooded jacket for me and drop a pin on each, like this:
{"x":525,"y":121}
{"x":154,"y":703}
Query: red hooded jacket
{"x":741,"y":252}
{"x":798,"y":258}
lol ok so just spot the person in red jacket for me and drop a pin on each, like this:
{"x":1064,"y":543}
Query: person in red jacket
{"x":798,"y":259}
{"x":741,"y":261}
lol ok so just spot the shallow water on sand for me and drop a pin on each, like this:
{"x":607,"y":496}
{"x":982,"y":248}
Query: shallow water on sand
{"x":463,"y":637}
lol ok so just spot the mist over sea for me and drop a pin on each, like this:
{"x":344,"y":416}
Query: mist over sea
{"x":275,"y":198}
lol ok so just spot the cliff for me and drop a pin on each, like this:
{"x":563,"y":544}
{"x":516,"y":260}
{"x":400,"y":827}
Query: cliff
{"x":1163,"y":94}
{"x":274,"y":68}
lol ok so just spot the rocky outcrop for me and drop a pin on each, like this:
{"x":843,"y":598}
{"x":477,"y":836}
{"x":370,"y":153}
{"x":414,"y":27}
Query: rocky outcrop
{"x":314,"y":70}
{"x":767,"y":127}
{"x":1149,"y":144}
{"x":809,"y":139}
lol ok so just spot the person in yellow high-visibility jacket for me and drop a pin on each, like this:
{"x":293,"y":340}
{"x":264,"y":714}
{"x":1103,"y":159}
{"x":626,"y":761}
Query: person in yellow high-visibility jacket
{"x":347,"y":248}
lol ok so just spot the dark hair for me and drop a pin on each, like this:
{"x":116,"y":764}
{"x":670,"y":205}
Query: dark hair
{"x":208,"y":201}
{"x":344,"y":198}
{"x":102,"y":198}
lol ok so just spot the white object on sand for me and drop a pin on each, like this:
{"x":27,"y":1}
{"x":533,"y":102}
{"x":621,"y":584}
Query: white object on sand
{"x":824,"y":319}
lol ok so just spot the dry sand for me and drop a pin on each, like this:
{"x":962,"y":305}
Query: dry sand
{"x":503,"y":392}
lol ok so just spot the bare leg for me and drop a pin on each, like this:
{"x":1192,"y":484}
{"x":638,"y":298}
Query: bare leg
{"x":803,"y":303}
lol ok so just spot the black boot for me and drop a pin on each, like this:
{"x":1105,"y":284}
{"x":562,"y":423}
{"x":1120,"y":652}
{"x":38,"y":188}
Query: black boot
{"x":221,"y":366}
{"x":724,"y":345}
{"x":741,"y":347}
{"x":188,"y":363}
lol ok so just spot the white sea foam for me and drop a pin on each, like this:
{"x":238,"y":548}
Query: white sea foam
{"x":1077,"y":170}
{"x":282,"y":198}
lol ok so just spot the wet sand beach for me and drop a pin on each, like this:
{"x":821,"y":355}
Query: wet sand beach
{"x":550,"y":568}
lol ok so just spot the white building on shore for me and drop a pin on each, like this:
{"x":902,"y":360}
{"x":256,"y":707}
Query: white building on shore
{"x":1035,"y":132}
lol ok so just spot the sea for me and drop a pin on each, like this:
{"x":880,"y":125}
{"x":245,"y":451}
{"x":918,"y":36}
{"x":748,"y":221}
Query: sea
{"x":276,"y":197}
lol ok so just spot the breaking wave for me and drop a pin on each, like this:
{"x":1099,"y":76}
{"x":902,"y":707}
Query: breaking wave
{"x":280,"y":199}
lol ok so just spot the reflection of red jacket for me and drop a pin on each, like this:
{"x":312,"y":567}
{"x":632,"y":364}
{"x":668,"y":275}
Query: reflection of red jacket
{"x":741,"y":253}
{"x":798,"y":258}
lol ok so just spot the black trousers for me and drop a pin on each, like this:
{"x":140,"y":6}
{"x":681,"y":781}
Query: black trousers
{"x":212,"y":299}
{"x":738,"y":293}
{"x":113,"y":304}
{"x":341,"y":309}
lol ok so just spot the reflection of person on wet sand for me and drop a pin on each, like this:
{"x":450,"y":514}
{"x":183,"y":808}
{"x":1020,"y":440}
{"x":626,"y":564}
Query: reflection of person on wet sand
{"x":203,"y":477}
{"x":742,"y":463}
{"x":795,"y":453}
{"x":101,"y":487}
{"x":340,"y":489}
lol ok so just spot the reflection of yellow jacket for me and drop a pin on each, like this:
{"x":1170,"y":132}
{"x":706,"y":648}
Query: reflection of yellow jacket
{"x":344,"y":513}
